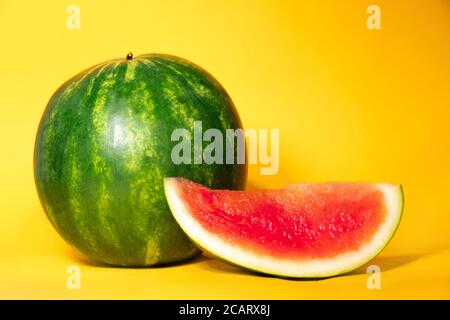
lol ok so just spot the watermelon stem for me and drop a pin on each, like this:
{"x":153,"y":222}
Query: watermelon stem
{"x":129,"y":55}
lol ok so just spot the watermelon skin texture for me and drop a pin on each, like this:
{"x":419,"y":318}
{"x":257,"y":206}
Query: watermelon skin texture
{"x":103,"y":148}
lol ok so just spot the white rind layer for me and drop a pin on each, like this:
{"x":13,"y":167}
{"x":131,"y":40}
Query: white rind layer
{"x":312,"y":268}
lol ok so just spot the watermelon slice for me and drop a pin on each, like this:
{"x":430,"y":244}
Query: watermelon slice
{"x":307,"y":230}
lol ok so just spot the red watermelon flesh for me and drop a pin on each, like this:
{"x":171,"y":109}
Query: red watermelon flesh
{"x":303,"y":230}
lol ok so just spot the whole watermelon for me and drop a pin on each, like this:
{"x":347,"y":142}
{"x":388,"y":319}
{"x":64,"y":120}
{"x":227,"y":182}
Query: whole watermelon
{"x":104,"y":146}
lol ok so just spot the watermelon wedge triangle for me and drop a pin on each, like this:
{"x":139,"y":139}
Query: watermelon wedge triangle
{"x":308,"y":230}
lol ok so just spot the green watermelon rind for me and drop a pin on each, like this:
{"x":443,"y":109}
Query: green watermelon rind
{"x":179,"y":211}
{"x":108,"y":203}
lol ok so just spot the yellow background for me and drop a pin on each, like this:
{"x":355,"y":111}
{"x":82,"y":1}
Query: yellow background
{"x":350,"y":103}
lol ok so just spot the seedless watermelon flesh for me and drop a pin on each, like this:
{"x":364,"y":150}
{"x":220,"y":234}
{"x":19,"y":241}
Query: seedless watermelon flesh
{"x":304,"y":230}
